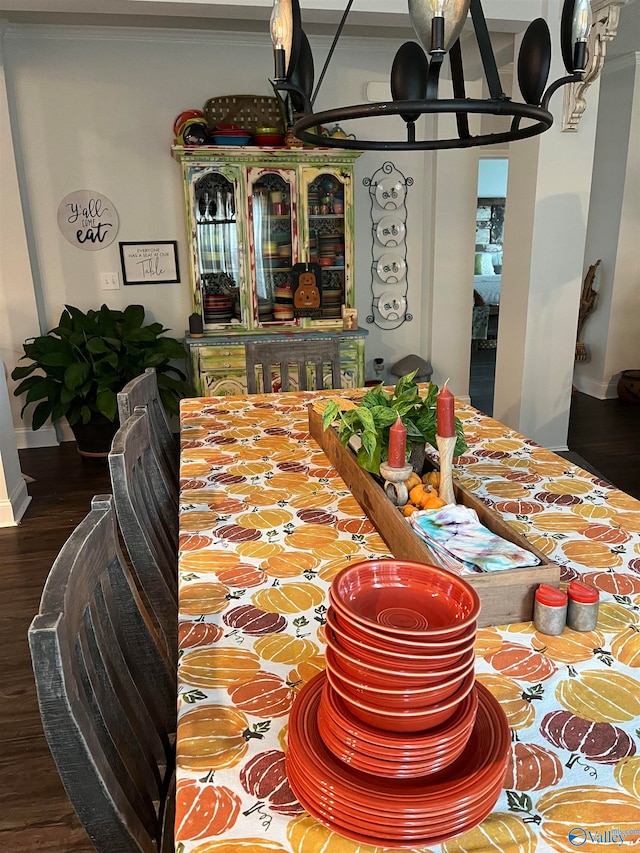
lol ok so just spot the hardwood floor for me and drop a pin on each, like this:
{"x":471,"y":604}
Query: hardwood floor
{"x":605,"y":433}
{"x":35,"y":814}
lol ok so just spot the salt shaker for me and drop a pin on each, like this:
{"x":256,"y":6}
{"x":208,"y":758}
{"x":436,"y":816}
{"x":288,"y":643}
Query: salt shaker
{"x":582,"y":612}
{"x":550,"y":609}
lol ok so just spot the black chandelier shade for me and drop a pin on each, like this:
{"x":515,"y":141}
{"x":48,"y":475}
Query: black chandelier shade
{"x":415,"y":77}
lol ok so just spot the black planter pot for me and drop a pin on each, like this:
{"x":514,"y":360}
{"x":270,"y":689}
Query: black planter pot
{"x":94,"y":439}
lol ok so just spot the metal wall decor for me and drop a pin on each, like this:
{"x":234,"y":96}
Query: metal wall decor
{"x":388,"y":193}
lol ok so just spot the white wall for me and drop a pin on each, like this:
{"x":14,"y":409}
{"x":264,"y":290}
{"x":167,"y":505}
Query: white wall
{"x":611,"y":331}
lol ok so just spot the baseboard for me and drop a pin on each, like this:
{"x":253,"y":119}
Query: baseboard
{"x":593,"y":388}
{"x":45,"y":437}
{"x":12,"y":509}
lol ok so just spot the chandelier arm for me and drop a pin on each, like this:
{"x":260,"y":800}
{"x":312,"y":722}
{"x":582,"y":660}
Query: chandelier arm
{"x":433,"y":77}
{"x":291,"y":87}
{"x":486,"y":51}
{"x":331,"y":49}
{"x":457,"y":77}
{"x":561,"y":81}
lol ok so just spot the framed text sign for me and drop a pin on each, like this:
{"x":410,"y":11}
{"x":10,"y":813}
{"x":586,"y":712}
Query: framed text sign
{"x":88,"y":220}
{"x":150,"y":263}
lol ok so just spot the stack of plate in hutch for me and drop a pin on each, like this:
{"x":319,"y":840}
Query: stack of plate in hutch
{"x":396,"y":744}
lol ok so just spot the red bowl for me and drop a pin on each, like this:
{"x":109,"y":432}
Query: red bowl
{"x":391,"y":654}
{"x":392,"y":720}
{"x":406,"y":599}
{"x":268,"y":138}
{"x":374,"y":741}
{"x":370,"y":672}
{"x":417,"y":646}
{"x":403,"y":697}
{"x":400,"y":701}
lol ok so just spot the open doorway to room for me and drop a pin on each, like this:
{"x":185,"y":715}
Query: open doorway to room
{"x":487,"y":280}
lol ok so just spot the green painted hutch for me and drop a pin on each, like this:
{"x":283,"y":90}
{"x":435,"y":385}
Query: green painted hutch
{"x":252,"y":213}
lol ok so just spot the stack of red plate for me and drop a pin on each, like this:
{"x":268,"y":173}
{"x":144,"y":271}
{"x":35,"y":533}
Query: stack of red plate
{"x":396,"y":733}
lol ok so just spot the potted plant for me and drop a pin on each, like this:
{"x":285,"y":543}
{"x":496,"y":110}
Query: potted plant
{"x":77,"y":369}
{"x":378,"y":411}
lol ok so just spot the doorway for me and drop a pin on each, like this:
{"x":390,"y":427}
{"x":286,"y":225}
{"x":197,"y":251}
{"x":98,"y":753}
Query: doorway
{"x":487,"y":279}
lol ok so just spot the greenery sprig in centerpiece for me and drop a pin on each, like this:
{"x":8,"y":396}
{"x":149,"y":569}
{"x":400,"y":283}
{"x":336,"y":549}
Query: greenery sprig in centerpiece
{"x":378,"y":411}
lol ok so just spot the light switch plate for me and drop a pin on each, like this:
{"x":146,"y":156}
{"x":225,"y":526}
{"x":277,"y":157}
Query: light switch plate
{"x":109,"y":281}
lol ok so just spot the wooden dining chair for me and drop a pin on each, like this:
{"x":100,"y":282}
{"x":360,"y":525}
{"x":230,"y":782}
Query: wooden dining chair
{"x":148,"y":515}
{"x":314,"y":354}
{"x":142,"y":392}
{"x":106,"y":691}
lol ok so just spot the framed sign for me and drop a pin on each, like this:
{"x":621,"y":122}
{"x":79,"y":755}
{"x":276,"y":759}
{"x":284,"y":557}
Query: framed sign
{"x":150,"y":263}
{"x":88,"y":220}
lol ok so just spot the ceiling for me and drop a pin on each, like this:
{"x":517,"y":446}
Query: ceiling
{"x":367,"y":18}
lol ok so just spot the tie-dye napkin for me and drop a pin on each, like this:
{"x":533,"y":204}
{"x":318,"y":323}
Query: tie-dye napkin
{"x":455,"y":533}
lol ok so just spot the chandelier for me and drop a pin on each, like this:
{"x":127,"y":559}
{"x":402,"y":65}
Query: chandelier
{"x":415,"y":75}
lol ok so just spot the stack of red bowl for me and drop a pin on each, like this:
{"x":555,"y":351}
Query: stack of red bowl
{"x":398,"y":706}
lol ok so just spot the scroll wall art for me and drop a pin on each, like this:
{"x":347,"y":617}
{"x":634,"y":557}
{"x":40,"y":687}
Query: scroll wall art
{"x":389,"y":284}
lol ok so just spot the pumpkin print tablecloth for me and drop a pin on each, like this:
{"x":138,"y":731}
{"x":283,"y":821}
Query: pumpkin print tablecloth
{"x":266,"y":523}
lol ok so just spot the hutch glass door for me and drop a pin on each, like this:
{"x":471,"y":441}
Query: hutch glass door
{"x":325,"y":227}
{"x":218,"y":249}
{"x":272,"y":212}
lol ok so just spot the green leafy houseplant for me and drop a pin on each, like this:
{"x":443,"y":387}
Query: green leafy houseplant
{"x":88,"y":358}
{"x":378,"y":411}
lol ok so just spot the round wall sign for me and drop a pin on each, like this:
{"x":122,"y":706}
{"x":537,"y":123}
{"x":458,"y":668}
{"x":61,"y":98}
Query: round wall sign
{"x":88,"y":220}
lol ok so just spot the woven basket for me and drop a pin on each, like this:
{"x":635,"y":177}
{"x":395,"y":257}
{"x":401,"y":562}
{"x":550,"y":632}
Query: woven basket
{"x":246,"y":111}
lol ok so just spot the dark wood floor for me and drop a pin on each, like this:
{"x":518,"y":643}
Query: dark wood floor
{"x":35,"y":814}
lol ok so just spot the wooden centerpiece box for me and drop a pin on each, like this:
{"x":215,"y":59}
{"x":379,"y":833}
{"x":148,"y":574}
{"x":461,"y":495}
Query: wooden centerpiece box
{"x":507,"y":596}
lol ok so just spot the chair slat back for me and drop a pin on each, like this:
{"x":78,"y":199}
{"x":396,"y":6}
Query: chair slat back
{"x":148,"y":516}
{"x":95,"y":659}
{"x":143,"y":392}
{"x":263,"y":355}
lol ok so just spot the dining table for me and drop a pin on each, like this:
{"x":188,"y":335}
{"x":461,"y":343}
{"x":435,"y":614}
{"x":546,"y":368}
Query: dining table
{"x":266,"y":523}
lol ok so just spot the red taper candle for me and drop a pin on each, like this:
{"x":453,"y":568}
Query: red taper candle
{"x":397,"y":445}
{"x":445,"y":413}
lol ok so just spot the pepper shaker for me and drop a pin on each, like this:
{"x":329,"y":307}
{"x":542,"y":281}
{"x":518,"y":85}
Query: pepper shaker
{"x":582,"y":612}
{"x":550,"y":610}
